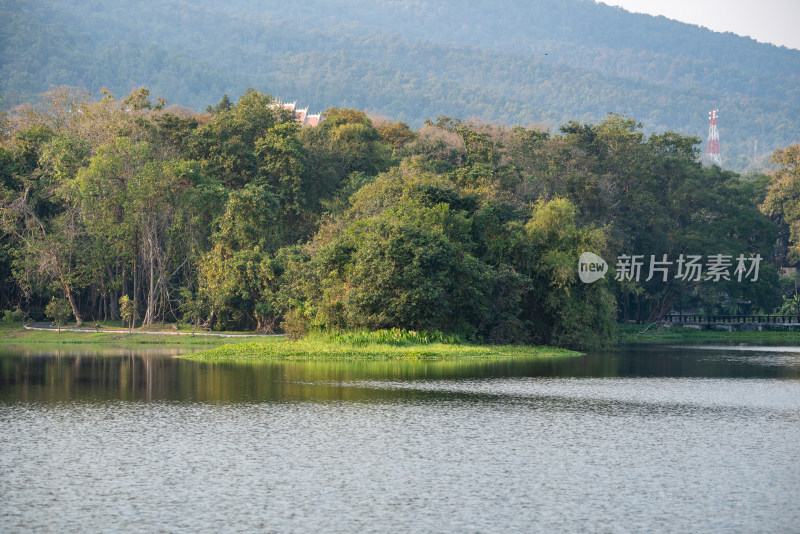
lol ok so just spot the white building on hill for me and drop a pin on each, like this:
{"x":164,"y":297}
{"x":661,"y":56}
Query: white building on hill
{"x":300,"y":115}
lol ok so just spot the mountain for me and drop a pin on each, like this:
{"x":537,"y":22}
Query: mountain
{"x":514,"y":61}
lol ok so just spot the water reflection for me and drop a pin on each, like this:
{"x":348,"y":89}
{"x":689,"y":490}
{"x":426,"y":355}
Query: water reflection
{"x":58,"y":374}
{"x":648,"y":439}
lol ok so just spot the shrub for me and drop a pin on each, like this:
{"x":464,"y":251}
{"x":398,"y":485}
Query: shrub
{"x":14,"y":316}
{"x":396,"y":336}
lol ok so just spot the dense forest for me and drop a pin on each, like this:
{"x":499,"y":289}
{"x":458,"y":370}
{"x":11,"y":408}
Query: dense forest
{"x":240,"y":218}
{"x":516,"y":62}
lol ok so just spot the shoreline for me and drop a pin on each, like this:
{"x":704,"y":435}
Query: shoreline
{"x":19,"y":334}
{"x":232,"y":347}
{"x":678,"y":334}
{"x":248,"y":346}
{"x":90,"y":330}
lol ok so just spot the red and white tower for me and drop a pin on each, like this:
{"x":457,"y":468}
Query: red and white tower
{"x":712,"y":147}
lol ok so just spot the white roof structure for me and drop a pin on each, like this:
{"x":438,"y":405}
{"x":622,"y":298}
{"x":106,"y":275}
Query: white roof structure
{"x":300,"y":115}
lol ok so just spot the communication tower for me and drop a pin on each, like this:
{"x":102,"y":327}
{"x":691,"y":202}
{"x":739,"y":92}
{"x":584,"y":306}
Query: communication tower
{"x":712,"y":147}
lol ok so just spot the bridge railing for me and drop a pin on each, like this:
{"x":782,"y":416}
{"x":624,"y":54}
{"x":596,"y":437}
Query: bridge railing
{"x":730,"y":319}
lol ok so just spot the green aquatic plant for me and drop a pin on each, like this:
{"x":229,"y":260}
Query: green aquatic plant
{"x":396,"y":336}
{"x":320,"y":347}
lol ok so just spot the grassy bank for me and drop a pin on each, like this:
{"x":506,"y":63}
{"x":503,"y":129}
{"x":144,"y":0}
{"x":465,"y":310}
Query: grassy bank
{"x":14,"y":333}
{"x":356,"y":346}
{"x":627,"y":333}
{"x":375,"y":346}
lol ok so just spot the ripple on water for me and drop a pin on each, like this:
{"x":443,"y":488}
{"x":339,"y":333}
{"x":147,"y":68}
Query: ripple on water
{"x":531,"y":454}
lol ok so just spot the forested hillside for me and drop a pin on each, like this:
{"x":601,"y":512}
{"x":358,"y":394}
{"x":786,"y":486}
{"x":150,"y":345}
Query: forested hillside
{"x":240,"y":218}
{"x":515,"y":62}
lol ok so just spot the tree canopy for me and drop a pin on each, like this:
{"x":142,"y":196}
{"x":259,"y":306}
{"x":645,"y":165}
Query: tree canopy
{"x":240,"y":218}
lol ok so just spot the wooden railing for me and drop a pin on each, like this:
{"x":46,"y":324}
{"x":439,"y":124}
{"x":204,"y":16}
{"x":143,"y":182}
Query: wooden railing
{"x":731,"y":319}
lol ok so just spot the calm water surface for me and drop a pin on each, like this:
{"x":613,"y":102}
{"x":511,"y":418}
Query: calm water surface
{"x":651,"y":438}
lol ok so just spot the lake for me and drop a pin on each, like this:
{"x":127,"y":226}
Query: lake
{"x":649,"y":438}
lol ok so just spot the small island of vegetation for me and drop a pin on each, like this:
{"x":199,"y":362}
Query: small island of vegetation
{"x":374,"y":345}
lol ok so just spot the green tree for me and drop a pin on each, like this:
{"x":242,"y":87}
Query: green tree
{"x":241,"y":288}
{"x":403,"y":255}
{"x":194,"y":308}
{"x":559,"y":308}
{"x":49,"y":239}
{"x":59,"y":311}
{"x":226,"y":146}
{"x":127,"y":196}
{"x":282,"y":170}
{"x":782,"y":202}
{"x":223,"y":105}
{"x":127,"y":309}
{"x":138,"y":99}
{"x":392,"y":273}
{"x":354,"y":144}
{"x":397,"y":133}
{"x":250,"y":220}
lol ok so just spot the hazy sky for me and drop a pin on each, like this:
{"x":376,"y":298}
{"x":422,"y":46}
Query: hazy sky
{"x":768,"y":21}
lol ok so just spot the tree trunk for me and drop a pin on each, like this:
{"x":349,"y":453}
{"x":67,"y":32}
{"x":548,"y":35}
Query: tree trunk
{"x":666,"y":304}
{"x":151,"y":290}
{"x":71,"y":298}
{"x":135,"y":286}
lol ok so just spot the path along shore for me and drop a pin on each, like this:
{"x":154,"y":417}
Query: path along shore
{"x":90,"y":330}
